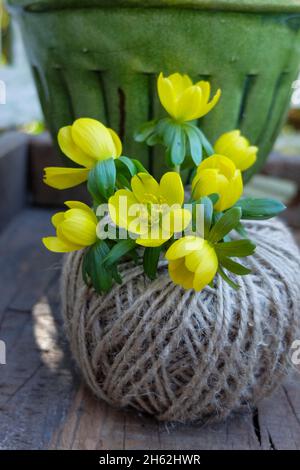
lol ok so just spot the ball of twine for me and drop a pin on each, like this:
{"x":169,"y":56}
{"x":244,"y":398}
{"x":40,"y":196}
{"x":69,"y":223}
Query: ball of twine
{"x":181,"y":355}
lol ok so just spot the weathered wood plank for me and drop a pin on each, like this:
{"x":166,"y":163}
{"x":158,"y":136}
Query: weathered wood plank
{"x":237,"y":432}
{"x":90,"y":425}
{"x":25,"y":265}
{"x":93,"y":425}
{"x":13,"y":175}
{"x":37,"y":382}
{"x":279,"y":417}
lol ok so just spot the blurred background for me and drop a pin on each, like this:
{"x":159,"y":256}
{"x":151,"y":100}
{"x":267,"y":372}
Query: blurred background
{"x":26,"y":146}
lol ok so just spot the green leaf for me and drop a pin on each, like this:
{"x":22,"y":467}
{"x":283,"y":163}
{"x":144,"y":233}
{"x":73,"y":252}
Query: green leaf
{"x":196,"y":214}
{"x":102,"y":179}
{"x":153,"y":140}
{"x":122,"y":182}
{"x":144,"y":132}
{"x":164,"y":125}
{"x":115,"y":274}
{"x":240,"y":229}
{"x":214,"y":198}
{"x":206,"y":144}
{"x":237,"y":248}
{"x":227,"y":279}
{"x":125,"y":166}
{"x":176,"y":144}
{"x":94,"y":268}
{"x":225,"y":224}
{"x":195,"y":144}
{"x":139,"y":167}
{"x":208,"y":212}
{"x":134,"y":256}
{"x":150,"y":261}
{"x":259,"y":209}
{"x":119,"y":249}
{"x":233,"y":266}
{"x":84,"y":268}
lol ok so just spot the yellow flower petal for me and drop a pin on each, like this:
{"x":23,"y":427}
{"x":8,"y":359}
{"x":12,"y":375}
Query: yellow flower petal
{"x":237,"y":148}
{"x":220,"y":162}
{"x":57,"y":218}
{"x":218,"y":174}
{"x":210,"y":182}
{"x":226,"y":141}
{"x":59,"y":246}
{"x":212,"y":103}
{"x":63,"y":178}
{"x":183,"y":247}
{"x":166,"y":94}
{"x":77,"y":228}
{"x":206,"y":270}
{"x":183,"y":100}
{"x":93,"y":138}
{"x":233,"y":192}
{"x":189,"y":105}
{"x":180,"y":275}
{"x":177,"y":220}
{"x":194,"y":259}
{"x":119,"y":205}
{"x":117,"y":142}
{"x":71,"y":150}
{"x":145,"y":188}
{"x":205,"y":87}
{"x":174,"y":264}
{"x":171,"y":188}
{"x":180,"y":82}
{"x":248,"y":159}
{"x":150,"y":242}
{"x":84,"y":207}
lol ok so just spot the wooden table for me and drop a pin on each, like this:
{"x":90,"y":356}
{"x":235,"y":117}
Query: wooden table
{"x":44,"y":404}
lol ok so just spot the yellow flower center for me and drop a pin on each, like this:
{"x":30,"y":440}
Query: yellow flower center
{"x":155,"y":208}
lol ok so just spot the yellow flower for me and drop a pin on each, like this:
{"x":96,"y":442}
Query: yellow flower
{"x":75,"y":228}
{"x":218,"y":174}
{"x":152,"y":211}
{"x":182,"y":99}
{"x":237,"y":148}
{"x":86,"y":142}
{"x":193,"y":262}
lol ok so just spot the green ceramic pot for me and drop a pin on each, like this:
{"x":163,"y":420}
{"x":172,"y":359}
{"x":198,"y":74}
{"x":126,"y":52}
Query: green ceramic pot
{"x":100,"y":58}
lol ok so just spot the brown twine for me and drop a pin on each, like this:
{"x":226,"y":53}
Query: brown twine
{"x":181,"y":355}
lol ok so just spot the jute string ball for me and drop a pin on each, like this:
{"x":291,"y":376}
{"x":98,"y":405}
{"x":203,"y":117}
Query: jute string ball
{"x":181,"y":355}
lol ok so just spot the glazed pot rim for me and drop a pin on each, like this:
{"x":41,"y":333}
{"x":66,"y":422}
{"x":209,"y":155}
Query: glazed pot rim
{"x":246,"y":6}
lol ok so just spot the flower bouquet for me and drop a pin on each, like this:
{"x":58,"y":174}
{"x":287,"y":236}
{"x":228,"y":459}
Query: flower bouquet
{"x":135,"y":216}
{"x":160,"y":313}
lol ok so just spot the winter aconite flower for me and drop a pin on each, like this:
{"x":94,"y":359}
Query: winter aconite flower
{"x":193,"y":262}
{"x":218,"y":175}
{"x":183,"y":100}
{"x":152,"y":211}
{"x":86,"y":142}
{"x":237,"y":148}
{"x":75,"y":228}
